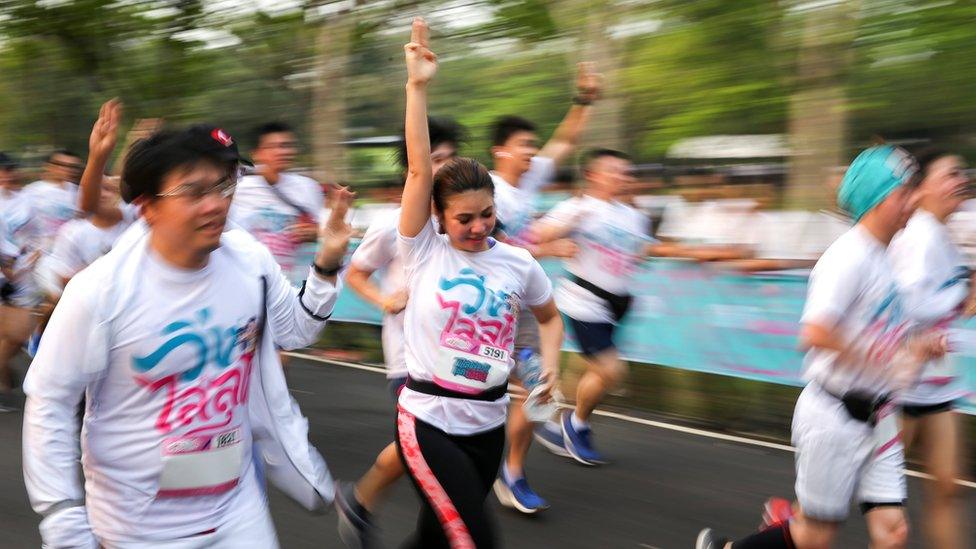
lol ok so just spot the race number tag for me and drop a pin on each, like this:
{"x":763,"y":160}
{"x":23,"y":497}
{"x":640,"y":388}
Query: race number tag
{"x":470,"y":369}
{"x":200,"y":465}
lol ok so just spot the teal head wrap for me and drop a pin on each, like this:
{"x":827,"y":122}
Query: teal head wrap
{"x":872,"y":176}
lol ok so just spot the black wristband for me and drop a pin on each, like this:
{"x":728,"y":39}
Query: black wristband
{"x":327,"y":272}
{"x":580,"y":100}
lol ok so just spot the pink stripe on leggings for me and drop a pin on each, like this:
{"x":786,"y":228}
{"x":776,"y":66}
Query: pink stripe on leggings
{"x":454,"y":528}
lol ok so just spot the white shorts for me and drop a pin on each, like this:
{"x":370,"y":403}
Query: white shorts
{"x":839,"y":457}
{"x":244,"y":531}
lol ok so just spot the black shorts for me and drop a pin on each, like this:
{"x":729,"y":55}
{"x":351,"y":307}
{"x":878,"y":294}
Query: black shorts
{"x":593,"y":337}
{"x":917,"y":411}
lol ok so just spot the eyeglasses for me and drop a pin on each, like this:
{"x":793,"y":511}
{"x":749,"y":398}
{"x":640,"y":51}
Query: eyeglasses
{"x":195,"y":192}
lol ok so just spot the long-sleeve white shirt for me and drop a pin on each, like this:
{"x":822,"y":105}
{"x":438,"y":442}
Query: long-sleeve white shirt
{"x":175,"y":371}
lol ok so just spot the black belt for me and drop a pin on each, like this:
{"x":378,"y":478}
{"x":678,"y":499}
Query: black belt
{"x":862,"y":406}
{"x":431,"y":388}
{"x":619,"y":304}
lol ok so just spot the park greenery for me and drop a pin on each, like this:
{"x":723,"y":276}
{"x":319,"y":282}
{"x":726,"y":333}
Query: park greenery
{"x":900,"y":69}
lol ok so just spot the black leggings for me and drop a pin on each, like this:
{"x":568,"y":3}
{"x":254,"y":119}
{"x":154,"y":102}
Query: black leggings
{"x":453,"y":475}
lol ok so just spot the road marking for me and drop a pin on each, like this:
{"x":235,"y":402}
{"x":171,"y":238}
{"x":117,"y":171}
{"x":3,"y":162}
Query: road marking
{"x":642,"y":421}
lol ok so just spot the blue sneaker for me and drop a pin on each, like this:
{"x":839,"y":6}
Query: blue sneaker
{"x":550,"y":436}
{"x":518,"y":495}
{"x":33,"y":343}
{"x":578,"y":443}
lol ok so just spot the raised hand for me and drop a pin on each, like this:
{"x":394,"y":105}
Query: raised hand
{"x":421,"y":62}
{"x":589,"y":83}
{"x":104,"y":133}
{"x":336,"y":232}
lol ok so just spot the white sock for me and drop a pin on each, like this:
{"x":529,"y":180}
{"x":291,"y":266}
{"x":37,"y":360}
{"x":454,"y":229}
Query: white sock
{"x":579,"y":424}
{"x":507,"y":473}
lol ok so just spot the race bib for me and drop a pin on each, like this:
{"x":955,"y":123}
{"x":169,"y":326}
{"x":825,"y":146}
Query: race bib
{"x":200,"y":465}
{"x":470,"y":368}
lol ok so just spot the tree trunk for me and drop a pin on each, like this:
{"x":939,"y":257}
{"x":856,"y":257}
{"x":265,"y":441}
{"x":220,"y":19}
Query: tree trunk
{"x":328,"y":97}
{"x":818,"y":107}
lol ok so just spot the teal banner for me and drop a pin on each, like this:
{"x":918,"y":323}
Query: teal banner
{"x":701,"y":317}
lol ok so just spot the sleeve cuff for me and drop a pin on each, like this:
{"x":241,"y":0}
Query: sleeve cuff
{"x":318,"y":296}
{"x":68,"y":528}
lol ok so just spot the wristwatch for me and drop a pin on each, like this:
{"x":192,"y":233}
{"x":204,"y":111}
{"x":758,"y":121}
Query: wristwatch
{"x":321,"y":271}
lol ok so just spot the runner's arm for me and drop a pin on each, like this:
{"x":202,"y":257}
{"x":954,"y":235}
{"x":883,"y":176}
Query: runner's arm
{"x":567,"y":135}
{"x":417,"y":190}
{"x":55,"y":385}
{"x":101,"y":143}
{"x":550,"y":339}
{"x":295,"y":318}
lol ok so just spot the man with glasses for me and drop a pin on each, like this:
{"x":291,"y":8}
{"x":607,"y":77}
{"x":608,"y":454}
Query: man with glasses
{"x":170,"y":338}
{"x":280,"y":208}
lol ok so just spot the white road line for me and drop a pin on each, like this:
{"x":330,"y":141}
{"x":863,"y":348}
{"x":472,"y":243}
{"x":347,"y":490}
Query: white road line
{"x":642,"y":421}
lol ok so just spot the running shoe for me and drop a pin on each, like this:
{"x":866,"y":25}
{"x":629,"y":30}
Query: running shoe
{"x":708,"y":540}
{"x":579,"y":443}
{"x":776,"y":511}
{"x":519,"y":496}
{"x":550,"y":436}
{"x":356,"y":529}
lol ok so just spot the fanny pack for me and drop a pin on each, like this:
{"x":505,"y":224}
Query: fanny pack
{"x":619,"y":304}
{"x":431,"y":388}
{"x":862,"y":406}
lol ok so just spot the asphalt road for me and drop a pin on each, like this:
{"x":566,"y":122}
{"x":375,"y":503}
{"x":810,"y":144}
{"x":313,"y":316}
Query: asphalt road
{"x":662,"y":487}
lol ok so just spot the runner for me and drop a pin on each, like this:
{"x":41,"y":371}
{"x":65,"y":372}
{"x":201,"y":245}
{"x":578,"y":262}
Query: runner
{"x":932,"y":277}
{"x":613,"y":241}
{"x":378,"y":252}
{"x":862,"y":350}
{"x":170,"y":338}
{"x":280,"y":208}
{"x":33,"y":219}
{"x":79,"y":242}
{"x":466,"y":290}
{"x":521,"y":171}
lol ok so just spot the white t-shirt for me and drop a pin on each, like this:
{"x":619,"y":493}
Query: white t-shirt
{"x":852,"y":289}
{"x":259,"y":210}
{"x":611,"y":237}
{"x":7,"y":198}
{"x":460,"y":325}
{"x":378,"y":252}
{"x":515,"y":205}
{"x":41,"y":208}
{"x":933,"y":281}
{"x":77,"y":245}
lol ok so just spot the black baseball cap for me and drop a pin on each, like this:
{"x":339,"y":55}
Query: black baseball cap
{"x":7,"y":162}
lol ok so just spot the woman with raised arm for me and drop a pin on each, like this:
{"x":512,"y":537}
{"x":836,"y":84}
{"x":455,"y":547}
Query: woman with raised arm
{"x":466,"y":290}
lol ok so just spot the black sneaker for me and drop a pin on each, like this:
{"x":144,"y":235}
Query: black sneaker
{"x":356,"y":528}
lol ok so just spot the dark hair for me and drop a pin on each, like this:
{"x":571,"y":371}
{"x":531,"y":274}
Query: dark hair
{"x":507,"y":126}
{"x":441,"y":130}
{"x":63,"y":152}
{"x":152,"y":159}
{"x":927,"y":156}
{"x":460,"y":175}
{"x":268,"y":128}
{"x":596,"y":154}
